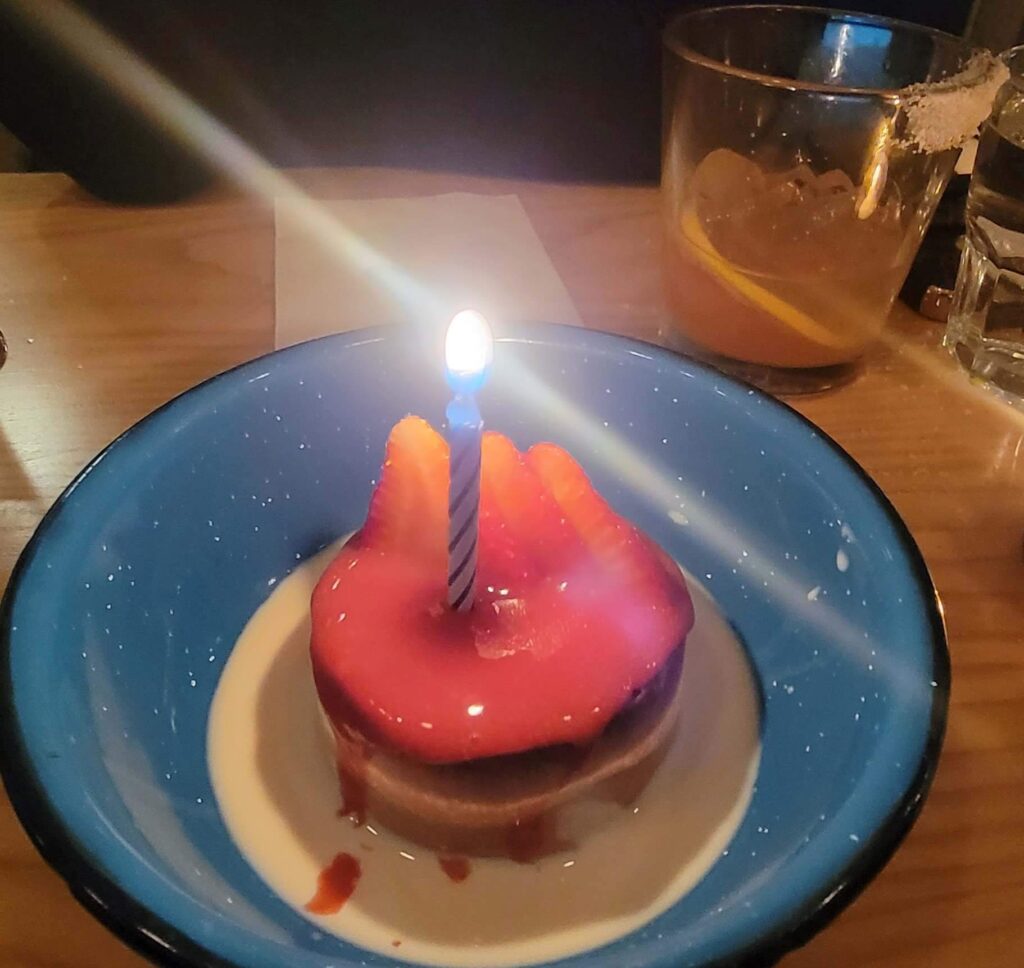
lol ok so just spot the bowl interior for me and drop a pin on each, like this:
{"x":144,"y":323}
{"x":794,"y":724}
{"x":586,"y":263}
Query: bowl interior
{"x":127,"y":603}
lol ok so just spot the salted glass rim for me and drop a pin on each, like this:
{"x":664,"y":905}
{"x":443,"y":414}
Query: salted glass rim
{"x":675,"y":41}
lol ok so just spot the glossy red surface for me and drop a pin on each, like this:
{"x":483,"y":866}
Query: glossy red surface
{"x":575,"y":609}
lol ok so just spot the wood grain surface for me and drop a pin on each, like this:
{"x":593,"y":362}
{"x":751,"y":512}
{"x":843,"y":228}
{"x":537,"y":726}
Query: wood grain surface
{"x":111,"y":311}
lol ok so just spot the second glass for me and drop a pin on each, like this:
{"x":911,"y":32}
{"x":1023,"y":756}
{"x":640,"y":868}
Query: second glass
{"x":800,"y":170}
{"x":986,"y":321}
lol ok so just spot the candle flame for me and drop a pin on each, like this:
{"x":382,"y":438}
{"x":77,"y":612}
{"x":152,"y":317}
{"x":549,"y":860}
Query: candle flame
{"x":468,"y":349}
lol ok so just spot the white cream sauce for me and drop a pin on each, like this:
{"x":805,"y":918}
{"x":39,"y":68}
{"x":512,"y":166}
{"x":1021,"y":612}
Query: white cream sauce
{"x":273,"y":772}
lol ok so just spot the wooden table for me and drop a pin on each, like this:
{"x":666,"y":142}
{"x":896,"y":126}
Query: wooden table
{"x":109,"y":312}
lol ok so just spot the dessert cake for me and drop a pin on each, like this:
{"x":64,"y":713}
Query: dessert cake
{"x":471,"y":732}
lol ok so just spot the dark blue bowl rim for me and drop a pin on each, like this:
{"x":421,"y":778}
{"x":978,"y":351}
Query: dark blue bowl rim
{"x":164,"y":944}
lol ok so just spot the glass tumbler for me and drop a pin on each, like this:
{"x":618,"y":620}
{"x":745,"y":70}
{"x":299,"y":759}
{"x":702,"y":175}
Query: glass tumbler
{"x":804,"y":152}
{"x":986,"y":320}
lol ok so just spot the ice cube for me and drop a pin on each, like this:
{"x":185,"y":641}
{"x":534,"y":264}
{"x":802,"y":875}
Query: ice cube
{"x":834,"y":182}
{"x":789,"y":223}
{"x":724,"y":181}
{"x":792,"y":185}
{"x":1005,"y":246}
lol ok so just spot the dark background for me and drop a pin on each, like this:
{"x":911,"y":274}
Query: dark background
{"x":539,"y":88}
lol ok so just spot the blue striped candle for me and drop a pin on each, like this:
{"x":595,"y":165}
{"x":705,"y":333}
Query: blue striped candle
{"x":468,"y":351}
{"x":464,"y":431}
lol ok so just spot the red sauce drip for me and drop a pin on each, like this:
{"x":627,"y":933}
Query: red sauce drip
{"x":396,"y":943}
{"x":335,"y":885}
{"x":576,"y":610}
{"x":457,"y":868}
{"x":353,"y":794}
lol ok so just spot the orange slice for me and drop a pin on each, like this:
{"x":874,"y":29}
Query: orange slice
{"x":745,"y":287}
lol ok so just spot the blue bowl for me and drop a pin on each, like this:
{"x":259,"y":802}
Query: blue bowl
{"x":125,"y":605}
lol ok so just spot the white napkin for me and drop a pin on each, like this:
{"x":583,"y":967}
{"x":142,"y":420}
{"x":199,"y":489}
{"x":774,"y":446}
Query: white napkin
{"x":370,"y":261}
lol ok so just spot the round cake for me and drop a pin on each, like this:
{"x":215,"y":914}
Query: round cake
{"x":471,"y":732}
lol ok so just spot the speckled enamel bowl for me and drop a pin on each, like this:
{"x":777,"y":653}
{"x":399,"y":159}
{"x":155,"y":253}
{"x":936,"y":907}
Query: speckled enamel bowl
{"x":125,"y":605}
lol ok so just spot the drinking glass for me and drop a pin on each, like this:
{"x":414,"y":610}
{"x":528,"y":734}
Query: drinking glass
{"x":804,"y":152}
{"x":986,"y":320}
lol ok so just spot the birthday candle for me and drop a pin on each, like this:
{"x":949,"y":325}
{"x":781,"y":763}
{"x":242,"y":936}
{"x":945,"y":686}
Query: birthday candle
{"x":468,"y":352}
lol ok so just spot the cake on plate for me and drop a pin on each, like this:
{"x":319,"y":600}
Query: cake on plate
{"x":470,"y":732}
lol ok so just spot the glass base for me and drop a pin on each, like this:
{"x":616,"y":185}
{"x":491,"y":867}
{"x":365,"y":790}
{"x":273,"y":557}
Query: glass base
{"x":782,"y":382}
{"x":1000,"y":365}
{"x":985,"y":331}
{"x":779,"y":381}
